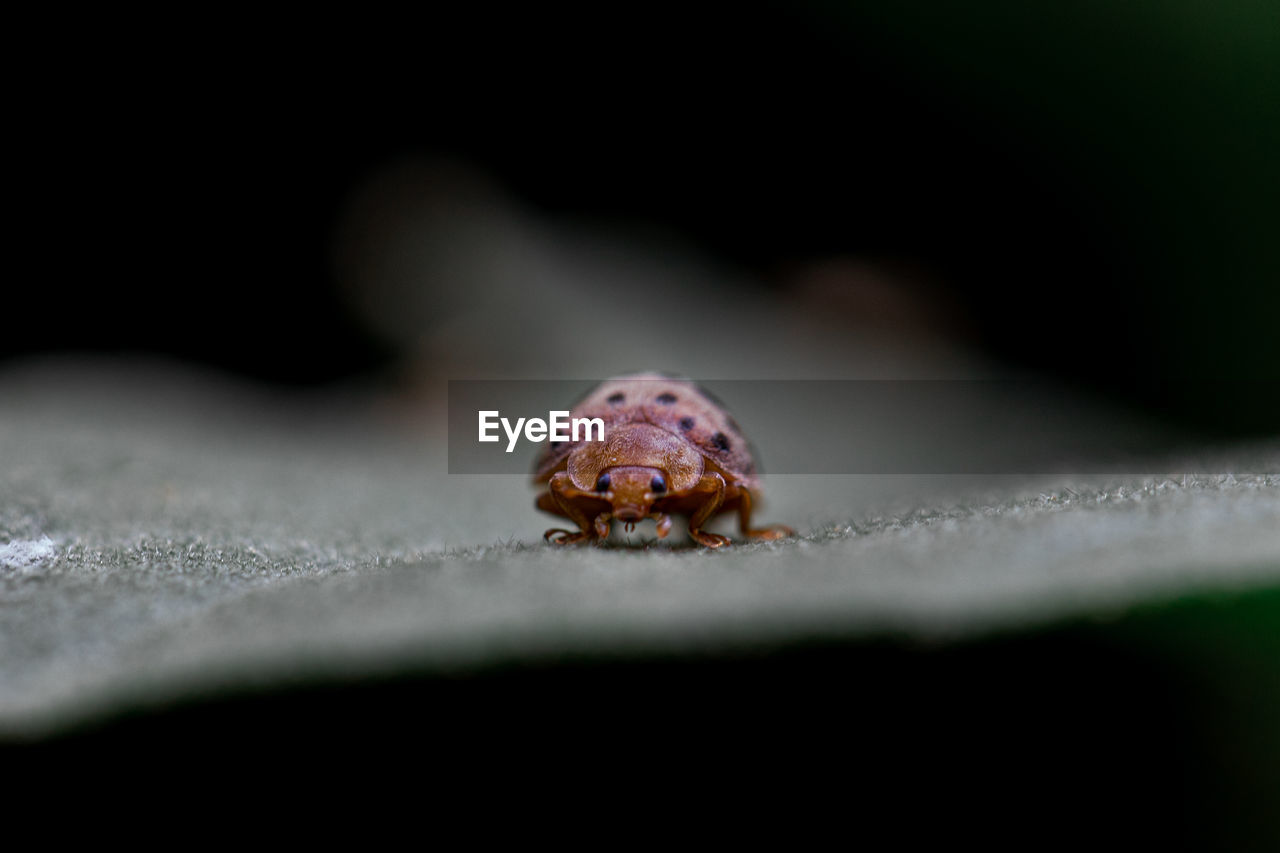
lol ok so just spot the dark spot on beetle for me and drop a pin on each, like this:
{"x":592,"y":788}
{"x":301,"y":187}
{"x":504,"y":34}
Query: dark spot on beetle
{"x":686,"y":424}
{"x":721,"y":441}
{"x":602,"y":485}
{"x":658,"y":485}
{"x":617,"y":398}
{"x":666,"y":399}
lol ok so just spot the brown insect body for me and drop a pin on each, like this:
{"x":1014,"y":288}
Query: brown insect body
{"x":669,"y":448}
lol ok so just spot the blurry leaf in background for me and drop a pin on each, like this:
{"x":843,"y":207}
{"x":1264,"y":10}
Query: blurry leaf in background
{"x":468,"y":281}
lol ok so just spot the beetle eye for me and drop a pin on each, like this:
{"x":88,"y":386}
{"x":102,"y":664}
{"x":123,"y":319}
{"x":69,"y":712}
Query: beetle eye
{"x":658,"y":485}
{"x":602,"y":485}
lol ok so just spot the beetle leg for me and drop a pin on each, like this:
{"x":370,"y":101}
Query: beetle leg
{"x":602,"y":525}
{"x":714,"y":484}
{"x":560,"y":536}
{"x":775,"y":531}
{"x":664,"y":524}
{"x":563,"y":491}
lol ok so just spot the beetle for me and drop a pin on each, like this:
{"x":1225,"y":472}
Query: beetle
{"x":669,"y":447}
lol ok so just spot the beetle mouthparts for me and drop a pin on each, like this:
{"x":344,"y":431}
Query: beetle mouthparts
{"x":630,"y":526}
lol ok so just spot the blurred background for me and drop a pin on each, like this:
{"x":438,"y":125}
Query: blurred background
{"x":1085,"y":190}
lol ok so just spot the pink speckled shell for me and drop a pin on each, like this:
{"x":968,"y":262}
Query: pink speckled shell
{"x":694,"y":417}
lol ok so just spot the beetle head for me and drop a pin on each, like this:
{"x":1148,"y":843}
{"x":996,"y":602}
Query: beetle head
{"x":632,"y":489}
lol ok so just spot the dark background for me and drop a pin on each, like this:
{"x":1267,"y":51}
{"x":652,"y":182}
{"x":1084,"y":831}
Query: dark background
{"x":1097,"y":186}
